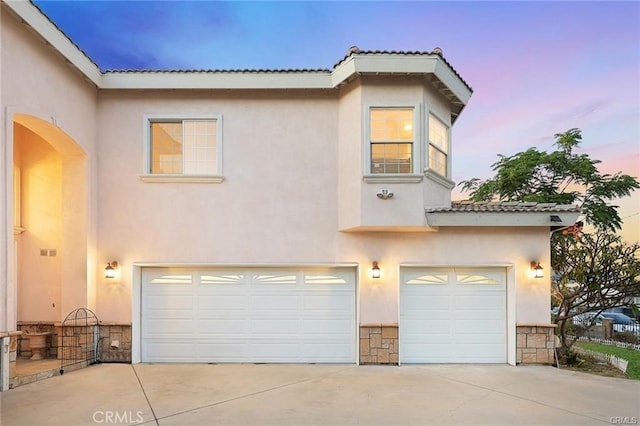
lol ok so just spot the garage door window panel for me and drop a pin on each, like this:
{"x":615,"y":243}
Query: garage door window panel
{"x":488,"y":277}
{"x":436,"y":278}
{"x":173,"y":279}
{"x":324,"y":280}
{"x":275,"y":279}
{"x":222,"y":279}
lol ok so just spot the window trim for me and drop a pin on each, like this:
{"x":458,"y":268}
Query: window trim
{"x":147,"y":176}
{"x":429,"y":172}
{"x":415,"y":176}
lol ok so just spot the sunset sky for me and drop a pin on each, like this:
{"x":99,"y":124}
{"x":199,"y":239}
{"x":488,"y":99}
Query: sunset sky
{"x":537,"y":68}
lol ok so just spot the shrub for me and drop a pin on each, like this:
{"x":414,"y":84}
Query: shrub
{"x":573,"y":358}
{"x":626,"y":337}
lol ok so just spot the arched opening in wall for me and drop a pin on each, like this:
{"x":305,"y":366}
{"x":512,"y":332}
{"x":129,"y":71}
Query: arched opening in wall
{"x":50,"y":228}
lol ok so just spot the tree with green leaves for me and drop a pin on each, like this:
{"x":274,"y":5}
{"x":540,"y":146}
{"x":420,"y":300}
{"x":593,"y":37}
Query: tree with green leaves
{"x":592,"y":272}
{"x":561,"y":176}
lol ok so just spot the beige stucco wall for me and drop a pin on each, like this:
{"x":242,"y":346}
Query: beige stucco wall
{"x":279,"y":192}
{"x":39,"y":86}
{"x":41,"y":207}
{"x":513,"y":248}
{"x":279,"y":203}
{"x":293,"y":163}
{"x":350,"y":128}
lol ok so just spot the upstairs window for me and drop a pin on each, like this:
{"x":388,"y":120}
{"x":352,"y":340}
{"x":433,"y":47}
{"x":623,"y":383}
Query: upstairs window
{"x":438,"y":146}
{"x":183,"y":149}
{"x":392,"y":137}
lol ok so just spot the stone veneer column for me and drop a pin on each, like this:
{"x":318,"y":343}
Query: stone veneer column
{"x":379,"y":344}
{"x":115,"y":342}
{"x":535,"y":343}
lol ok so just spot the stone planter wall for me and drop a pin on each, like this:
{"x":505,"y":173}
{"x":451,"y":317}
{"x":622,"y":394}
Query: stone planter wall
{"x":27,"y":327}
{"x":535,"y":343}
{"x":114,"y":343}
{"x":78,"y":340}
{"x":379,"y":344}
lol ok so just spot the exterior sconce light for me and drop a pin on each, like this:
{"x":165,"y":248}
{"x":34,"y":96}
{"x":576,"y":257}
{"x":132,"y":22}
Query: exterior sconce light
{"x":375,"y":270}
{"x":385,"y":194}
{"x":537,"y":270}
{"x":111,"y":269}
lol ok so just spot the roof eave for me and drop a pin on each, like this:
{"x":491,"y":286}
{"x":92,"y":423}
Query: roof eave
{"x":433,"y":66}
{"x":501,"y":219}
{"x":35,"y":19}
{"x":216,"y":80}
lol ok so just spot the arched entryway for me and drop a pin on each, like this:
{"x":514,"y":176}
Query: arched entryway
{"x":48,"y":268}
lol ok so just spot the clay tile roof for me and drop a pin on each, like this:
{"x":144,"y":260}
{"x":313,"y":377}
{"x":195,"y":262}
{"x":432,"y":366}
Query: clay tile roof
{"x":351,"y":51}
{"x":217,"y":71}
{"x":437,"y":51}
{"x":504,"y":207}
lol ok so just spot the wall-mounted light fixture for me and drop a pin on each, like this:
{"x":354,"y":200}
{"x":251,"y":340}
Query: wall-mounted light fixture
{"x":375,"y":270}
{"x":111,"y":269}
{"x":384,"y":194}
{"x":536,"y":269}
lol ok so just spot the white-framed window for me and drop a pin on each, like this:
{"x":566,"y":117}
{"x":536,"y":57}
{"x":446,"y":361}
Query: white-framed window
{"x":438,"y":146}
{"x":391,"y":135}
{"x":392,"y":149}
{"x":183,"y":149}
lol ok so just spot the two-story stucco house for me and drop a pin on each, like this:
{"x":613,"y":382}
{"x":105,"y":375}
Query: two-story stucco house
{"x":284,"y":216}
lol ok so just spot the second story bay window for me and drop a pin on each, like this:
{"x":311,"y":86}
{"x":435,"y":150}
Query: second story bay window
{"x":438,"y":146}
{"x":392,"y":142}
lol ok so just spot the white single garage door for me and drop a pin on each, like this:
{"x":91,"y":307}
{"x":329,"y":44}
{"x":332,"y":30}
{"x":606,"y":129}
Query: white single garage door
{"x":453,"y":315}
{"x":301,"y":315}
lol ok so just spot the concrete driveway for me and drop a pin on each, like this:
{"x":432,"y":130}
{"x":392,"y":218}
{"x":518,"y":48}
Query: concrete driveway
{"x":197,"y":394}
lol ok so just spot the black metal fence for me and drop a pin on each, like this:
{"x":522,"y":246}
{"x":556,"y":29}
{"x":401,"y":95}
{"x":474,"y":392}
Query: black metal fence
{"x":80,"y":335}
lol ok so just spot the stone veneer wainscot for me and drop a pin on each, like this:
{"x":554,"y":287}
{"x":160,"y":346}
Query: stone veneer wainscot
{"x":115,"y":342}
{"x":379,"y":344}
{"x":535,"y":343}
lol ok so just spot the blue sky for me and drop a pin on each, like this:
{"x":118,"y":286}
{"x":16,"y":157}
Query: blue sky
{"x":537,"y":68}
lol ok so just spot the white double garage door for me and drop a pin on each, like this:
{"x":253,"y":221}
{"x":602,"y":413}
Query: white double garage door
{"x":308,"y":315}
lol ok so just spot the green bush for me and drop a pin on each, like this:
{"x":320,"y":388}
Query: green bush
{"x":573,"y":359}
{"x":626,"y":337}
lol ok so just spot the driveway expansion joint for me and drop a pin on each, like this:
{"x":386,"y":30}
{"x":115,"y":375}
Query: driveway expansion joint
{"x":251,"y":394}
{"x":511,"y":395}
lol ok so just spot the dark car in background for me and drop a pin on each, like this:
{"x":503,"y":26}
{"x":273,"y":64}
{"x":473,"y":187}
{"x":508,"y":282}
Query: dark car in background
{"x":626,"y":310}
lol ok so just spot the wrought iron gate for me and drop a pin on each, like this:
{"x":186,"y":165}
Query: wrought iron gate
{"x":80,"y":336}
